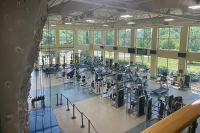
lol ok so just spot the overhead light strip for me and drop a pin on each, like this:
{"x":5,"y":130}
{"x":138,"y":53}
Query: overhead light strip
{"x":194,"y":7}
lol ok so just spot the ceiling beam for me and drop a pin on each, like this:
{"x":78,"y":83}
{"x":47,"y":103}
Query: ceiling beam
{"x":131,"y":9}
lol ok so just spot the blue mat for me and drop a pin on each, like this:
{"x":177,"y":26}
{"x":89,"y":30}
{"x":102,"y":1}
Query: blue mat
{"x":43,"y":121}
{"x":193,"y":97}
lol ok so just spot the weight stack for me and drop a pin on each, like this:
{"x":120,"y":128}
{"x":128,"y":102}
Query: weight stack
{"x":111,"y":62}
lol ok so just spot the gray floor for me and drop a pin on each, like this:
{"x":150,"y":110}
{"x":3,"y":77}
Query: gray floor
{"x":77,"y":94}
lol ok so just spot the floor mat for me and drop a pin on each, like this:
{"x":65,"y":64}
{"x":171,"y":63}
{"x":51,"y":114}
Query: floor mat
{"x":43,"y":121}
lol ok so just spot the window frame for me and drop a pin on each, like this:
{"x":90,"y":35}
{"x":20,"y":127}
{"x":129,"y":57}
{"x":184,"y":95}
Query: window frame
{"x":124,"y":58}
{"x":66,"y":37}
{"x":192,"y":38}
{"x":109,"y":55}
{"x":109,"y":37}
{"x":97,"y":37}
{"x":82,"y":41}
{"x":47,"y":37}
{"x":143,"y":38}
{"x":125,"y":38}
{"x":168,"y":38}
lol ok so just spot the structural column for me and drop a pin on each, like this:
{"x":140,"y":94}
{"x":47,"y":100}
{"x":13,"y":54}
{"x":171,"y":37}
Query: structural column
{"x":116,"y":53}
{"x":91,"y":43}
{"x":103,"y":44}
{"x":57,"y":53}
{"x":57,"y":37}
{"x":154,"y":58}
{"x":182,"y":64}
{"x":75,"y":41}
{"x":57,"y":43}
{"x":132,"y":45}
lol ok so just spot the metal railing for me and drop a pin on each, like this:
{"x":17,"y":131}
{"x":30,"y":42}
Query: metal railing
{"x":74,"y":117}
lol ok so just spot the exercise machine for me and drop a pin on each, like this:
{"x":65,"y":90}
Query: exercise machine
{"x":162,"y":80}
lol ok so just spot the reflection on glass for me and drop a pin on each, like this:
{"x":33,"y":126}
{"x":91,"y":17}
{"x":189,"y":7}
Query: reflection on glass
{"x":109,"y":37}
{"x":83,"y":37}
{"x":97,"y":37}
{"x":143,"y":38}
{"x":169,"y":38}
{"x":193,"y":69}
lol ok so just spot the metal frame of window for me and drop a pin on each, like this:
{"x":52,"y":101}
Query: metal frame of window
{"x":66,"y":58}
{"x":125,"y":37}
{"x":98,"y":52}
{"x":48,"y":36}
{"x":124,"y":57}
{"x":143,"y":38}
{"x":109,"y":54}
{"x":96,"y":36}
{"x":84,"y":38}
{"x":80,"y":50}
{"x":167,"y":38}
{"x":167,"y":64}
{"x":67,"y":37}
{"x":109,"y":37}
{"x":192,"y":38}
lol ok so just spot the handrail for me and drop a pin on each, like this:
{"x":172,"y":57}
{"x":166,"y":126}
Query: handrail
{"x":178,"y":121}
{"x":79,"y":112}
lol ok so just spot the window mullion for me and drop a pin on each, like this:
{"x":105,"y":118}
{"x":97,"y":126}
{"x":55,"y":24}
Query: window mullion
{"x":124,"y":37}
{"x":168,"y":44}
{"x":143,"y":39}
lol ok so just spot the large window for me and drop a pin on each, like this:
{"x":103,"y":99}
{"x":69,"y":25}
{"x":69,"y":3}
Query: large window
{"x":48,"y":37}
{"x":66,"y":37}
{"x":84,"y":54}
{"x":143,"y":38}
{"x":46,"y":54}
{"x":97,"y":55}
{"x":109,"y":55}
{"x":143,"y":61}
{"x":193,"y":69}
{"x":109,"y":37}
{"x":125,"y":38}
{"x":167,"y":65}
{"x":124,"y":59}
{"x":83,"y":37}
{"x":67,"y":54}
{"x":194,"y":39}
{"x":97,"y":37}
{"x":169,"y":38}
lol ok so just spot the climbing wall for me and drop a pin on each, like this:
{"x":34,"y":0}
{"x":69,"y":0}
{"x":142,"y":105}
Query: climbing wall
{"x":21,"y":24}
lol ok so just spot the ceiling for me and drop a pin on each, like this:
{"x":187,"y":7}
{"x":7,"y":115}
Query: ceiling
{"x":109,"y":12}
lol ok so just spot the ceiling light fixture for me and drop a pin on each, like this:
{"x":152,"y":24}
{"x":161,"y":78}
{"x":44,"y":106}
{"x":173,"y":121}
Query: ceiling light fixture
{"x":194,"y":7}
{"x":131,"y":23}
{"x":169,"y":19}
{"x":53,"y":25}
{"x":105,"y":25}
{"x":68,"y":23}
{"x":90,"y":20}
{"x":126,"y":16}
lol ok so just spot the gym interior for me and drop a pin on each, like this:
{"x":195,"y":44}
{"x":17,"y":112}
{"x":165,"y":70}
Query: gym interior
{"x":90,"y":66}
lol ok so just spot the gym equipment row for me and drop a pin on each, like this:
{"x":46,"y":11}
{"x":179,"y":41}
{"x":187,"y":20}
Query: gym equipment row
{"x":164,"y":105}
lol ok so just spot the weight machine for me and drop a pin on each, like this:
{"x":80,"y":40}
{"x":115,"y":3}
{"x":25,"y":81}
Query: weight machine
{"x":119,"y":98}
{"x":136,"y":101}
{"x":165,"y":106}
{"x":39,"y":98}
{"x":183,"y":81}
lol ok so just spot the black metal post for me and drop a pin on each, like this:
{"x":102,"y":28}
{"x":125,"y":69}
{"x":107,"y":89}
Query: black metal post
{"x":57,"y":100}
{"x":88,"y":126}
{"x":68,"y":105}
{"x":82,"y":126}
{"x":73,"y":117}
{"x":61,"y":100}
